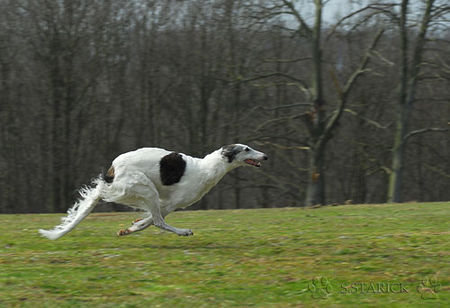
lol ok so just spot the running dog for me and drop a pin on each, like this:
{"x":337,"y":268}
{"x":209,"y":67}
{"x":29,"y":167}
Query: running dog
{"x":157,"y":181}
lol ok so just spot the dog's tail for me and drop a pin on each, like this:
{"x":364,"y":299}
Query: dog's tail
{"x":90,"y":195}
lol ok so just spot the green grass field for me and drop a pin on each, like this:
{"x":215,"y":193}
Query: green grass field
{"x":365,"y":255}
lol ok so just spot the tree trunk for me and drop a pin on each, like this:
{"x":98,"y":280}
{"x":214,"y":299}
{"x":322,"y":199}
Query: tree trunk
{"x":396,"y":176}
{"x":315,"y":193}
{"x":409,"y":75}
{"x":316,"y":190}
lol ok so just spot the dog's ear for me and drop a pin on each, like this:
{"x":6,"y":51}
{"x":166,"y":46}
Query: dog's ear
{"x":230,"y":151}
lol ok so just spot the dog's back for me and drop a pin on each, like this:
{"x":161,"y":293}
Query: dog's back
{"x":145,"y":160}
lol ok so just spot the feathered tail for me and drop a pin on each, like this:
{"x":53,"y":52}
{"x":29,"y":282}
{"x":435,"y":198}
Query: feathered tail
{"x":90,"y":196}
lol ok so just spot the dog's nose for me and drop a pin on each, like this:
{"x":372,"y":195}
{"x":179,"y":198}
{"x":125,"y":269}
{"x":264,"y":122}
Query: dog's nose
{"x":265,"y":157}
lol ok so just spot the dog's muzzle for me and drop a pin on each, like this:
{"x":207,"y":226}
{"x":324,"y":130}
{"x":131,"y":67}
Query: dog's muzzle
{"x":256,"y":162}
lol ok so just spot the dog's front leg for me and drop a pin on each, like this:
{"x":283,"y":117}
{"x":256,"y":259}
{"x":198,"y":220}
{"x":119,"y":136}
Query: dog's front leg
{"x":148,"y":199}
{"x":159,"y":222}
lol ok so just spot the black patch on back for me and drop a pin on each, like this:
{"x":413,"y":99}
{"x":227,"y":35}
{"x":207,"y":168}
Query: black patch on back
{"x":171,"y":168}
{"x":230,"y":152}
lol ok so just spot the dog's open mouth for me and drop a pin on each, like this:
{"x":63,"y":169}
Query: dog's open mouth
{"x":253,"y":162}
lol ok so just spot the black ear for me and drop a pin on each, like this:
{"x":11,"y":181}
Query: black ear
{"x":230,"y":151}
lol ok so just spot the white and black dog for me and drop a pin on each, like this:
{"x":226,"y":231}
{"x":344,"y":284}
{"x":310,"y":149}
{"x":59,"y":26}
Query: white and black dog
{"x":158,"y":182}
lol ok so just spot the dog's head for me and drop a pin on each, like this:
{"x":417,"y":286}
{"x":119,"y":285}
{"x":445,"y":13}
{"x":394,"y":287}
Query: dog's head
{"x":242,"y":154}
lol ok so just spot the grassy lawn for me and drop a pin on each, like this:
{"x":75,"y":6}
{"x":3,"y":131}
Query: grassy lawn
{"x":365,"y":255}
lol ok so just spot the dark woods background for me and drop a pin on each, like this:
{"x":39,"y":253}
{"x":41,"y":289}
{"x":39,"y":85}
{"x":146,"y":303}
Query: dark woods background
{"x":349,"y":111}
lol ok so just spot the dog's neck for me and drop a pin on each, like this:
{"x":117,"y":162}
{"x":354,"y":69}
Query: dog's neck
{"x":216,"y":165}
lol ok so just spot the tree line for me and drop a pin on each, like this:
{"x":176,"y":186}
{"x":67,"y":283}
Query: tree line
{"x":350,"y":109}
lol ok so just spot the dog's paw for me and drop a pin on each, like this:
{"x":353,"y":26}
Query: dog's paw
{"x":123,"y":232}
{"x":186,"y":232}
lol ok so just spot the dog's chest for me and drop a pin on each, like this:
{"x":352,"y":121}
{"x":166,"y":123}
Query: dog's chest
{"x":192,"y":187}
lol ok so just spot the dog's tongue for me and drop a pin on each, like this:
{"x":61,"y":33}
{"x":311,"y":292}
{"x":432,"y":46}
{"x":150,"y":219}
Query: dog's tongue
{"x":253,"y":162}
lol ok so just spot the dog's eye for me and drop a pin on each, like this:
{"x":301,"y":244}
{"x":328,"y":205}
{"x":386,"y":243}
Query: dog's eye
{"x":247,"y":149}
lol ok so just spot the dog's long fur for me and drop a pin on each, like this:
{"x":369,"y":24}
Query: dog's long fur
{"x":157,"y":181}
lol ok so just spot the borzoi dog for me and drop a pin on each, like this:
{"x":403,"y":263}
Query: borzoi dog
{"x":158,"y":182}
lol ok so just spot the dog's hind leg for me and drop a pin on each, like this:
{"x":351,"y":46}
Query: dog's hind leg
{"x":138,"y":225}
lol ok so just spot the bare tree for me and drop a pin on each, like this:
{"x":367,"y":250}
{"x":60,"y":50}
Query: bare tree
{"x":320,"y":124}
{"x":411,"y":57}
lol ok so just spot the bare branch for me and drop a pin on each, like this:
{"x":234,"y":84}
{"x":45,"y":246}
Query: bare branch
{"x":288,"y":60}
{"x":285,"y":136}
{"x":422,"y":131}
{"x":374,"y":123}
{"x":382,"y":58}
{"x":343,"y":92}
{"x":440,"y":10}
{"x":437,"y":170}
{"x":377,"y":7}
{"x":299,"y":17}
{"x":287,"y":106}
{"x":362,"y":67}
{"x":386,"y":169}
{"x":279,"y":74}
{"x":274,"y":121}
{"x":285,"y":147}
